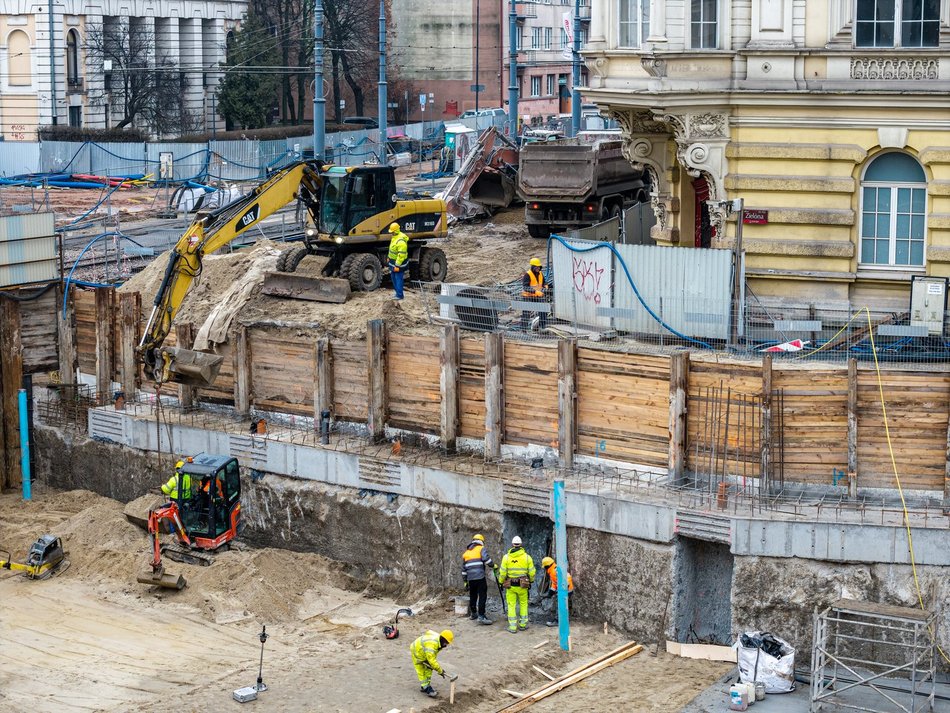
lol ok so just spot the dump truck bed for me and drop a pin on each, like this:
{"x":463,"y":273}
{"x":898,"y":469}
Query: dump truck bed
{"x":572,"y":170}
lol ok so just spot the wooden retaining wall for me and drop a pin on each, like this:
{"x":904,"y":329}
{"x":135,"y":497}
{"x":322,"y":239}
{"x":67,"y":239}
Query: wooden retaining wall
{"x":824,"y":425}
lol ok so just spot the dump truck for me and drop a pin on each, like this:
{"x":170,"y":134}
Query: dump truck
{"x":573,"y":183}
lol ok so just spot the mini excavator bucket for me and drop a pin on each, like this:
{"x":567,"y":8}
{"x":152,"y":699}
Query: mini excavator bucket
{"x":160,"y":578}
{"x":300,"y":287}
{"x":189,"y":367}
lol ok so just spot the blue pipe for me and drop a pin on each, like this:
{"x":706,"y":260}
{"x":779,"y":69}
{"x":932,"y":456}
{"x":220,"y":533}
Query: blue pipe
{"x":69,"y":277}
{"x":633,"y":285}
{"x":560,"y":553}
{"x":24,"y":446}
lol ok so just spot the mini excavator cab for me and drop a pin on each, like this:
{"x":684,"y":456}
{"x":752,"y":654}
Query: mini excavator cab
{"x":204,"y":517}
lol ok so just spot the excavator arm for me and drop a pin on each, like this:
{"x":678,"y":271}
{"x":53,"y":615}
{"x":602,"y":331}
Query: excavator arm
{"x":205,"y":235}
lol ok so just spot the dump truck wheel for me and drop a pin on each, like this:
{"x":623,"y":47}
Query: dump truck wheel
{"x":433,"y":267}
{"x":539,"y":231}
{"x":289,"y":259}
{"x":366,"y":273}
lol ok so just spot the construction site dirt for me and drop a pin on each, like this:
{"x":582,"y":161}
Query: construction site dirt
{"x":97,"y":640}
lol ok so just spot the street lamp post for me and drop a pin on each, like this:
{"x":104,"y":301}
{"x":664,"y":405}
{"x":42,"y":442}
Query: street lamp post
{"x":512,"y":71}
{"x":576,"y":72}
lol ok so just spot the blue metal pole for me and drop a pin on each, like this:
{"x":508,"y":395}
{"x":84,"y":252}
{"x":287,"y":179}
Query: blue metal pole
{"x":24,"y":446}
{"x":560,"y":554}
{"x":512,"y":71}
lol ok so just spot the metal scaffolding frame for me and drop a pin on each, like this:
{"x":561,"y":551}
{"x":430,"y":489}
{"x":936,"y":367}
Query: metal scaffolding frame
{"x":862,"y":648}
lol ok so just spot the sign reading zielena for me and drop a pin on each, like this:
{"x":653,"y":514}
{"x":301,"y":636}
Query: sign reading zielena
{"x":751,"y":216}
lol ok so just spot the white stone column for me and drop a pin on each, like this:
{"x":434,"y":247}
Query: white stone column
{"x":657,"y":23}
{"x":166,"y":40}
{"x":597,"y":39}
{"x":213,"y":38}
{"x":192,"y":62}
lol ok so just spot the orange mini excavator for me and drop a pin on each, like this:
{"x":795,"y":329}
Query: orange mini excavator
{"x":204,"y":515}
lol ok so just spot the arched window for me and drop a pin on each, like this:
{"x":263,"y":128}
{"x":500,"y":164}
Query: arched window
{"x":893,"y":211}
{"x":72,"y":58}
{"x":20,"y":59}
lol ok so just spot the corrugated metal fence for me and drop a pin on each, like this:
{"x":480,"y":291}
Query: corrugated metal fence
{"x":689,"y":290}
{"x":233,"y":160}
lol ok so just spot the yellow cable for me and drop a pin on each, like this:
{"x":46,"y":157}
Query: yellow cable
{"x":835,"y":335}
{"x":900,"y":489}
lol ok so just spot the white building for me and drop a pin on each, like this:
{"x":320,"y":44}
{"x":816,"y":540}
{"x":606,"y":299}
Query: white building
{"x":49,"y":75}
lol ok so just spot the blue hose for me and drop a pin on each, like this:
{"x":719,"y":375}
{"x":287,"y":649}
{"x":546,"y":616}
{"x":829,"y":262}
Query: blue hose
{"x":633,"y":285}
{"x":69,"y":278}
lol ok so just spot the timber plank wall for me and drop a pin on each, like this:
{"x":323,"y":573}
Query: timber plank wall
{"x":622,"y":406}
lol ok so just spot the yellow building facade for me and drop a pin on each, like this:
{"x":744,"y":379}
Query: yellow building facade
{"x":830,"y":119}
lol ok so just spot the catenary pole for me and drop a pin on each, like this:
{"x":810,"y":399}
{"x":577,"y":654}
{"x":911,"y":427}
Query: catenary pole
{"x":319,"y":103}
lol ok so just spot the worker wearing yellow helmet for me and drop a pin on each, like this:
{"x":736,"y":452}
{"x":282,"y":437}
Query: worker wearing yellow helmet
{"x":475,"y":561}
{"x":178,"y":483}
{"x":398,"y":258}
{"x":425,"y":651}
{"x":550,"y":568}
{"x":533,"y":289}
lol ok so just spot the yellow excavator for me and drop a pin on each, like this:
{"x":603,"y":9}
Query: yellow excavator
{"x":348,"y":212}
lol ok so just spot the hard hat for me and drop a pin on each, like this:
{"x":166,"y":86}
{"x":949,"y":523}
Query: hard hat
{"x":547,"y":562}
{"x":480,"y":538}
{"x":447,"y":635}
{"x":535,"y":262}
{"x":516,"y":541}
{"x":179,"y":464}
{"x":394,"y":228}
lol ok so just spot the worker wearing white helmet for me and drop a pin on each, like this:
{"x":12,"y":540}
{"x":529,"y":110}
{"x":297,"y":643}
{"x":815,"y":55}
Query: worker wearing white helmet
{"x":533,"y":289}
{"x":516,"y":575}
{"x":398,"y":258}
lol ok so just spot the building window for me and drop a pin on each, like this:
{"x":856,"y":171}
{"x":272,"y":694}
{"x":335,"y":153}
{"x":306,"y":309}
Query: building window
{"x":704,"y":18}
{"x":550,"y":85}
{"x":893,"y":211}
{"x":535,"y":86}
{"x":535,"y":38}
{"x":904,"y":23}
{"x":634,"y":22}
{"x":548,"y":32}
{"x":72,"y":58}
{"x":20,"y":60}
{"x":75,"y":116}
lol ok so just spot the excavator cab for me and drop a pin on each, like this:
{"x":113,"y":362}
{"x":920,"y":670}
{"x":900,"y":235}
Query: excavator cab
{"x":353,"y":195}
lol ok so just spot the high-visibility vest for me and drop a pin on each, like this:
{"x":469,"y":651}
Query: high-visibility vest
{"x":399,"y":249}
{"x":171,"y":487}
{"x":474,"y":562}
{"x":425,"y":649}
{"x":536,"y":283}
{"x":516,"y":564}
{"x":552,"y":575}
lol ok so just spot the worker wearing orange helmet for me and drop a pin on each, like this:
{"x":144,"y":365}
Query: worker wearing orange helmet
{"x":398,"y":258}
{"x":533,"y":289}
{"x":425,"y":651}
{"x":550,"y":568}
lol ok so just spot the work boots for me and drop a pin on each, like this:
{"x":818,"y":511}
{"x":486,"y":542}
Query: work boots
{"x":430,"y":691}
{"x":482,"y":619}
{"x":473,"y":616}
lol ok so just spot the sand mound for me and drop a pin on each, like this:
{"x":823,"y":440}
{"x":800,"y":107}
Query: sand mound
{"x":480,"y":253}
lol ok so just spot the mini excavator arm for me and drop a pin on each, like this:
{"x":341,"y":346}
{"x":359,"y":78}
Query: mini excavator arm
{"x":205,"y":235}
{"x":167,"y":513}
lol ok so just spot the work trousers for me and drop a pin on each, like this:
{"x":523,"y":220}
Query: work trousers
{"x":517,"y":600}
{"x":477,"y":594}
{"x":423,"y":671}
{"x":398,"y":278}
{"x":526,"y":316}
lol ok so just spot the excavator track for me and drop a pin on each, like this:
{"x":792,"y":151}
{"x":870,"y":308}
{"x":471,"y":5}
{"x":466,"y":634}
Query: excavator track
{"x":187,"y":556}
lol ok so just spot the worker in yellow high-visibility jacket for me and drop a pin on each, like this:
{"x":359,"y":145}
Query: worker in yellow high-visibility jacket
{"x":178,"y":481}
{"x":425,"y":651}
{"x":516,"y":575}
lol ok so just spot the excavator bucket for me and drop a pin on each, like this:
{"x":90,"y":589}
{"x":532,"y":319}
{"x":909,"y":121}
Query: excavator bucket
{"x":161,"y":578}
{"x":493,"y":188}
{"x":299,"y":287}
{"x":186,"y":366}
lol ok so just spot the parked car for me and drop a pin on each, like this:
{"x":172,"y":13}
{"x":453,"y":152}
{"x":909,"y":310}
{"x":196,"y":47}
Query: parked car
{"x":362,"y":122}
{"x":495,"y":111}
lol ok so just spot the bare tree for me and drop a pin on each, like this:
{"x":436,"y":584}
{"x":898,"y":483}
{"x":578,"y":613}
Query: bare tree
{"x":145,"y":91}
{"x":352,"y":31}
